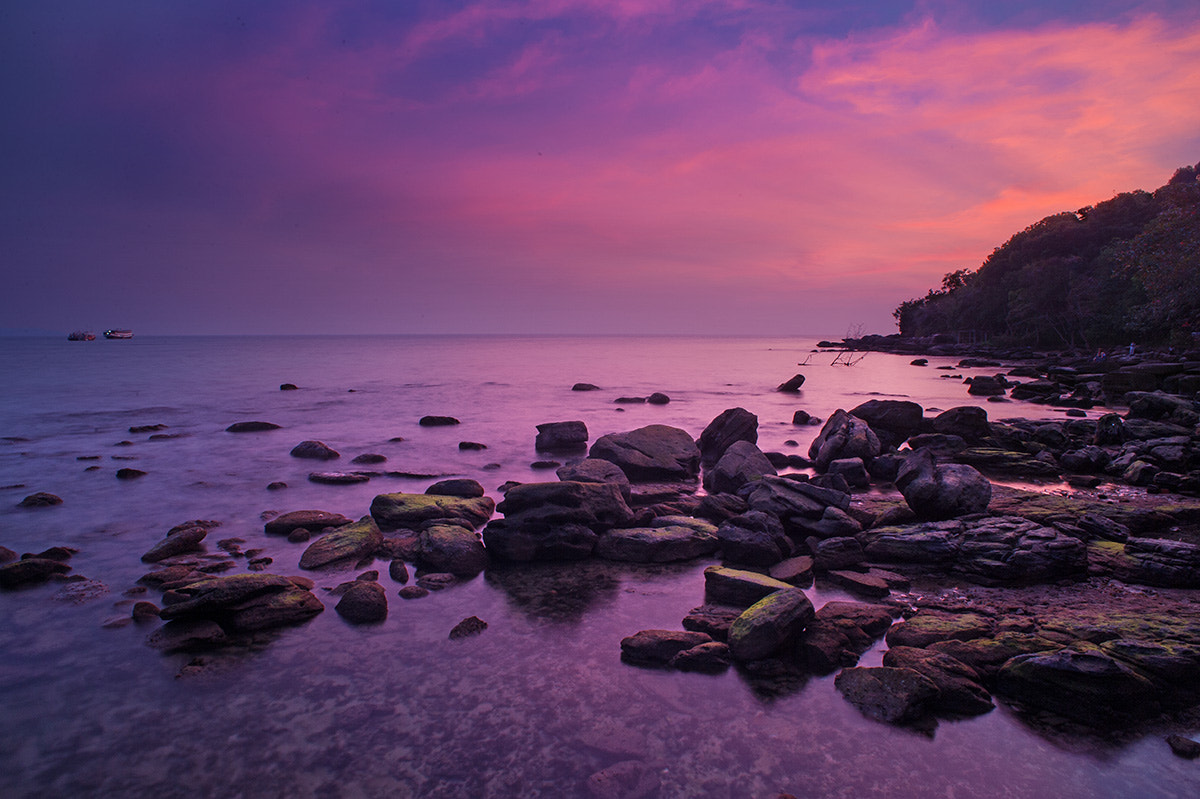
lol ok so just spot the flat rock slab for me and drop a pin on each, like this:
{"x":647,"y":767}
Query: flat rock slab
{"x":397,"y":511}
{"x":657,"y":647}
{"x":352,"y":542}
{"x":737,"y":587}
{"x":890,"y":695}
{"x":656,"y":544}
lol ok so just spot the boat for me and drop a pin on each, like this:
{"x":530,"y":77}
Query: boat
{"x":118,"y":334}
{"x":81,"y":335}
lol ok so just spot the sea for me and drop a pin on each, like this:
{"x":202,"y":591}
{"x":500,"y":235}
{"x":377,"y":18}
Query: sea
{"x":538,"y":705}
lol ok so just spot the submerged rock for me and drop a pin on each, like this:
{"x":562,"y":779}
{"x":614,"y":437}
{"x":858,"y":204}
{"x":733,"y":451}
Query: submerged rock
{"x":41,"y":499}
{"x":364,"y":602}
{"x":243,"y":602}
{"x":30,"y":571}
{"x":311,"y":520}
{"x":1088,"y":686}
{"x":890,"y":695}
{"x":176,"y":543}
{"x":251,"y":427}
{"x":314,"y":450}
{"x":658,"y":647}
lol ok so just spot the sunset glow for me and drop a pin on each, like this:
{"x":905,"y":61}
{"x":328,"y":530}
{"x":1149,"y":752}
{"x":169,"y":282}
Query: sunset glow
{"x":731,"y":166}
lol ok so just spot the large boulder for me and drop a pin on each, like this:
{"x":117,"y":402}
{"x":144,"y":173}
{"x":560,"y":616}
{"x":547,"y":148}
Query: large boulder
{"x":893,"y":421}
{"x":312,"y":520}
{"x":561,"y":437}
{"x":451,"y":548}
{"x":595,"y":470}
{"x":769,"y":624}
{"x":753,"y":539}
{"x":968,"y":422}
{"x":935,"y":491}
{"x":1006,"y":549}
{"x":930,"y":543}
{"x":410,"y":511}
{"x":844,"y":436}
{"x":1086,"y":685}
{"x":840,"y":633}
{"x":510,"y":541}
{"x":930,"y":626}
{"x":804,"y":508}
{"x":348,"y":544}
{"x":656,"y":544}
{"x":731,"y":426}
{"x":30,"y":571}
{"x":656,"y":452}
{"x":890,"y":695}
{"x":742,"y":463}
{"x":960,"y":691}
{"x":595,"y":505}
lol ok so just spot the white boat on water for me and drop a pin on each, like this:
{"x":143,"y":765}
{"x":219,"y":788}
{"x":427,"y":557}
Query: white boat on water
{"x":118,"y":334}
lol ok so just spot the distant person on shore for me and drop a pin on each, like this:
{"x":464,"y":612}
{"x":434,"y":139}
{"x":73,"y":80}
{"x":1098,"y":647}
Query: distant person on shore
{"x":1131,"y":349}
{"x":1100,"y":355}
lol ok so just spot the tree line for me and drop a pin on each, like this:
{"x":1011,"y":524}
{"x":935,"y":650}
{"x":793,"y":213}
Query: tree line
{"x":1126,"y":269}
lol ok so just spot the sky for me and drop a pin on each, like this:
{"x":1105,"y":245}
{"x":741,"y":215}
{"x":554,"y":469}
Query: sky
{"x":751,"y":167}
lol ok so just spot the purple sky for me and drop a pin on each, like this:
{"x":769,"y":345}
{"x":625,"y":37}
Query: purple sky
{"x":558,"y":166}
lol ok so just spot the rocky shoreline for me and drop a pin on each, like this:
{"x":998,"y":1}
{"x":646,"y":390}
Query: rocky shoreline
{"x":1073,"y":607}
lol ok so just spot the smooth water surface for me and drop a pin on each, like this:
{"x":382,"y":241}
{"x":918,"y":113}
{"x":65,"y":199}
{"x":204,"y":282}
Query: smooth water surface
{"x":532,"y":707}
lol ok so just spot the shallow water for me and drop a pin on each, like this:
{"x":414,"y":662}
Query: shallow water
{"x":533,"y":706}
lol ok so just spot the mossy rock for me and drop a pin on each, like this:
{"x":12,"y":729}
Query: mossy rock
{"x":397,"y":511}
{"x":930,"y":626}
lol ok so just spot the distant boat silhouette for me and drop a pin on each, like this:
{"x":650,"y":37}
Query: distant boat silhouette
{"x":118,"y":334}
{"x":81,"y":335}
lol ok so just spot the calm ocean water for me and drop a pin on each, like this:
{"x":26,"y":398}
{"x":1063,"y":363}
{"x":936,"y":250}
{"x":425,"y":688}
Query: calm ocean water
{"x":533,"y":706}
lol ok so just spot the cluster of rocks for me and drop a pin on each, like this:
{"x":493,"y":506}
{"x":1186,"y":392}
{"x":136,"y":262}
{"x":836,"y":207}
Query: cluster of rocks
{"x":33,"y":568}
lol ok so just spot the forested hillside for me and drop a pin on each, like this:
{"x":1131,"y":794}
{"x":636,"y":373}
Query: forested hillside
{"x":1126,"y":269}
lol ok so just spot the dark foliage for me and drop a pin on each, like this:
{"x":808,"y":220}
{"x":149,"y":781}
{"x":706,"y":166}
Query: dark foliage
{"x":1124,"y":269}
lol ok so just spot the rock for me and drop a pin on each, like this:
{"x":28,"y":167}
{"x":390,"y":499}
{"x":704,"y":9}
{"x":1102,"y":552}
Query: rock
{"x":959,"y":689}
{"x":288,"y":387}
{"x":630,"y":400}
{"x":713,"y":620}
{"x":276,"y":485}
{"x":719,"y":507}
{"x":178,"y":543}
{"x":413,"y":592}
{"x":179,"y":636}
{"x":472,"y":446}
{"x":710,"y":658}
{"x":451,"y":548}
{"x":930,"y":626}
{"x":410,"y":511}
{"x":129,"y":474}
{"x":1087,"y":686}
{"x":737,"y":587}
{"x":753,"y":539}
{"x":769,"y":624}
{"x":986,"y":655}
{"x":655,"y":544}
{"x":315,"y":450}
{"x":398,"y":571}
{"x":987,"y":386}
{"x":1011,"y":550}
{"x":251,"y":427}
{"x":731,"y":426}
{"x":511,"y":541}
{"x":545,"y":465}
{"x":653,"y":453}
{"x":832,"y":554}
{"x":864,"y":584}
{"x":351,"y":542}
{"x":369,"y":458}
{"x":803,"y":508}
{"x":893,"y":421}
{"x":7,"y":555}
{"x":1161,"y":563}
{"x":41,"y":499}
{"x":337,"y":478}
{"x":30,"y":571}
{"x":363,"y":603}
{"x":801,"y":418}
{"x":312,"y":520}
{"x":935,"y":491}
{"x":844,"y":436}
{"x":742,"y":463}
{"x":931,"y":543}
{"x":462,"y":487}
{"x":598,"y":506}
{"x":595,"y":470}
{"x":890,"y":695}
{"x":1184,"y":747}
{"x":967,"y":422}
{"x":585,"y":387}
{"x":438,"y":421}
{"x":658,"y":398}
{"x":1110,"y":429}
{"x":840,"y":633}
{"x":852,"y":470}
{"x":797,"y":571}
{"x":143,"y":611}
{"x":472,"y":625}
{"x":244,"y":602}
{"x":657,"y":647}
{"x":561,"y":437}
{"x":792,"y":385}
